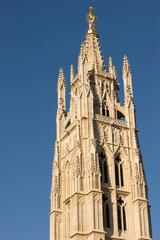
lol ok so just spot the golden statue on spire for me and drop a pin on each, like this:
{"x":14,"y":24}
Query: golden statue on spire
{"x":91,"y":19}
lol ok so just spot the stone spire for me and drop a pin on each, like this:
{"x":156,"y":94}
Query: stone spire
{"x":127,"y":79}
{"x":61,"y":79}
{"x":126,"y":65}
{"x":90,"y":49}
{"x":112,"y":69}
{"x":61,"y":89}
{"x":71,"y":73}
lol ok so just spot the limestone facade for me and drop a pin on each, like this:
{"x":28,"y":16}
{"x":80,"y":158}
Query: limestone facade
{"x":98,"y":190}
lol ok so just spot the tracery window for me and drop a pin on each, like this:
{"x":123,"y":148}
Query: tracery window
{"x":121,"y":215}
{"x":119,"y":176}
{"x":105,"y":110}
{"x":103,"y":168}
{"x":120,"y":116}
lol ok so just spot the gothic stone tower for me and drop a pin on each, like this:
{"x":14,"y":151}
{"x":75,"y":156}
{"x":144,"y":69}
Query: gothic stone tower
{"x":98,"y":187}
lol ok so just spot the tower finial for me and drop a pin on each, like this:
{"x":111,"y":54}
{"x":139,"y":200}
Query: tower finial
{"x":126,"y":65}
{"x":91,"y":19}
{"x":127,"y":78}
{"x":71,"y":73}
{"x":61,"y":79}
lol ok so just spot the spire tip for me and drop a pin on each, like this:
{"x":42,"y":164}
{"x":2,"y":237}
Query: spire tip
{"x":91,"y":19}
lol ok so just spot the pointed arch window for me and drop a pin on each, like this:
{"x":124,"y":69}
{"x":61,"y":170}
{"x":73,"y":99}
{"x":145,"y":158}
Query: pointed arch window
{"x":119,"y":175}
{"x":121,"y":215}
{"x":105,"y":110}
{"x":120,"y":116}
{"x":106,"y":212}
{"x":103,"y":168}
{"x":105,"y":174}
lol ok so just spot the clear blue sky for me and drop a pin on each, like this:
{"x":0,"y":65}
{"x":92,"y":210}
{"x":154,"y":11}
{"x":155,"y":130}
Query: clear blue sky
{"x":36,"y":38}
